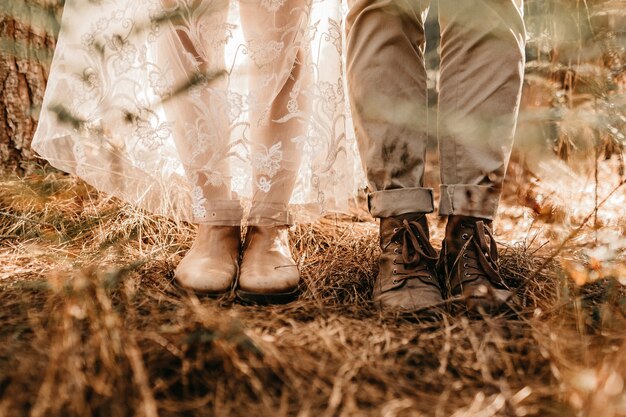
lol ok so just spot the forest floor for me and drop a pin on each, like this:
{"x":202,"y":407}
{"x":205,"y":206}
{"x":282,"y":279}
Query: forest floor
{"x":92,"y":323}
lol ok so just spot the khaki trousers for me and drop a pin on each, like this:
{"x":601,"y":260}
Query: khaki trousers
{"x":482,"y":64}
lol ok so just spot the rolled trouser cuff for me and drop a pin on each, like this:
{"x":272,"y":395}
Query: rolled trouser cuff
{"x":469,"y":200}
{"x":388,"y":203}
{"x":270,"y":214}
{"x":218,"y":213}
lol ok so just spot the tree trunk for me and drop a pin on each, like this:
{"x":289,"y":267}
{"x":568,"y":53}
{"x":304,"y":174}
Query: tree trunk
{"x":27,"y":39}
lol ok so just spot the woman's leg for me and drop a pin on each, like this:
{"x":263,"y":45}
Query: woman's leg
{"x":279,"y":82}
{"x":192,"y":57}
{"x":279,"y":107}
{"x":192,"y":64}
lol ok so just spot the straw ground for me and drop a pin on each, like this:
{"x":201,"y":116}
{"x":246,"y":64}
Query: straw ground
{"x":92,"y":324}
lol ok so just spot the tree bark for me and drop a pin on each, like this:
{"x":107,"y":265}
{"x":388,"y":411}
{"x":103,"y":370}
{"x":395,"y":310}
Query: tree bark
{"x":25,"y":55}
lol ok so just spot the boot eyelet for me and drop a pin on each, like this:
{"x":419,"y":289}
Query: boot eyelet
{"x":395,"y":271}
{"x":465,"y":265}
{"x":465,"y":236}
{"x":394,"y":282}
{"x":395,"y":262}
{"x":466,"y":274}
{"x":464,"y":255}
{"x":396,"y":251}
{"x":395,"y":229}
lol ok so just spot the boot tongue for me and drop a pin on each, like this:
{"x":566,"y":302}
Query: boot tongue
{"x":390,"y":225}
{"x":486,"y":256}
{"x":417,"y":219}
{"x":464,"y":233}
{"x":413,"y":232}
{"x":417,"y":256}
{"x":479,"y":234}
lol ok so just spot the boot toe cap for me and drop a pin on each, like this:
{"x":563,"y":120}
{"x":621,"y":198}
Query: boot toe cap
{"x":205,"y":278}
{"x":411,"y":299}
{"x":269,"y":280}
{"x":485,"y":297}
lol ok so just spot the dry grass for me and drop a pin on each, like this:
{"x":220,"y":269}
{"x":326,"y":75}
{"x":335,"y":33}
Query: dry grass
{"x":92,"y":324}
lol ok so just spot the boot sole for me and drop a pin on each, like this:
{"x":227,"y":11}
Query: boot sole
{"x":205,"y":293}
{"x":267,"y":298}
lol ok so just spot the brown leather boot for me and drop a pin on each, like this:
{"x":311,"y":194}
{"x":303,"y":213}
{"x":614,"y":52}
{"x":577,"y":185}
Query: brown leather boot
{"x":211,"y":264}
{"x":269,"y":274}
{"x":469,"y":263}
{"x":407,"y":277}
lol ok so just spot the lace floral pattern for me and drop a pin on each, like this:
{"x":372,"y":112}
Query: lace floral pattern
{"x":194,"y":109}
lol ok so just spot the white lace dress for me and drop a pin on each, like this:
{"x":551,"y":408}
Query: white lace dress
{"x":208,"y":111}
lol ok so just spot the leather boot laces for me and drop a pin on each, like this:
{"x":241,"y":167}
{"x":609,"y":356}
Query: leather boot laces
{"x":418,"y":257}
{"x":479,"y":255}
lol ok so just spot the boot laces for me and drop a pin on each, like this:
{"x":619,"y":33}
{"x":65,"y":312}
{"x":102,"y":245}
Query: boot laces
{"x":479,"y":256}
{"x":418,"y":257}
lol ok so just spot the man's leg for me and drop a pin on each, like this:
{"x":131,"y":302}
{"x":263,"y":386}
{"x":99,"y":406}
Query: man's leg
{"x":387,"y":84}
{"x":482,"y":65}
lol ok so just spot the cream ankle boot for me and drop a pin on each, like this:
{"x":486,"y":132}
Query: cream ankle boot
{"x":211,"y":264}
{"x":269,"y":274}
